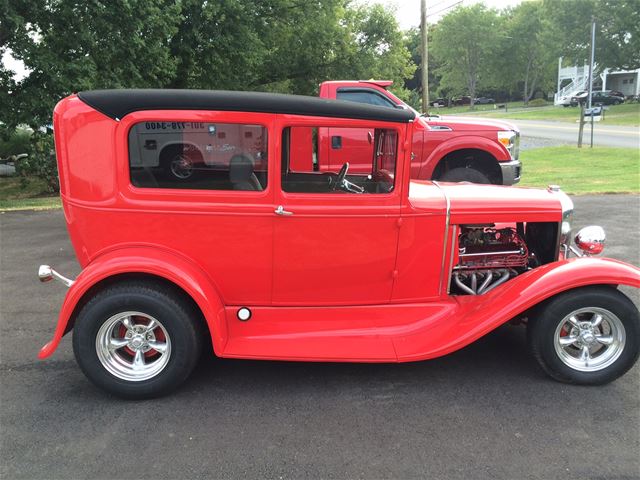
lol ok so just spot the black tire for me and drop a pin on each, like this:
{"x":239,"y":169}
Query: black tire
{"x":465,"y":175}
{"x":178,"y":320}
{"x":170,"y":159}
{"x":545,"y":321}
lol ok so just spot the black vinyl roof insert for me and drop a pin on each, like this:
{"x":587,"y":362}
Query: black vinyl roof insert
{"x":119,"y":103}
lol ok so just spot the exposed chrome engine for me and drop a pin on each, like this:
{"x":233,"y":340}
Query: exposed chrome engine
{"x":488,"y":257}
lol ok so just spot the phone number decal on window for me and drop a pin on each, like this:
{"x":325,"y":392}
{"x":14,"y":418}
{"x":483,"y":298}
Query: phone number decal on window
{"x":173,"y":125}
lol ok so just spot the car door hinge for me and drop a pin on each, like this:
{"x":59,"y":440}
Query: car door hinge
{"x":394,"y":274}
{"x":399,"y":222}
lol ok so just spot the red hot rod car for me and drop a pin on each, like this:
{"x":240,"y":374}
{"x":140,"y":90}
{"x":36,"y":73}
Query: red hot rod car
{"x":269,"y":259}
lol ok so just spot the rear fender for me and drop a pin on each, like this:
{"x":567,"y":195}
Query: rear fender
{"x":152,"y":261}
{"x":478,"y":315}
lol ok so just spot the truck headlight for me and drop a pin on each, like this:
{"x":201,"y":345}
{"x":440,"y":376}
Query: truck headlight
{"x":511,"y":141}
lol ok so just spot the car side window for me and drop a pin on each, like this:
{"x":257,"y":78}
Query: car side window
{"x":364,"y":96}
{"x":339,"y":160}
{"x":198,"y":155}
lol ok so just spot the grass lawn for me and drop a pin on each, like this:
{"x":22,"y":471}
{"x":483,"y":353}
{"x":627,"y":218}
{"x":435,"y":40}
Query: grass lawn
{"x":577,"y":171}
{"x":626,"y":114}
{"x":582,"y":171}
{"x":477,"y":109}
{"x":13,"y":196}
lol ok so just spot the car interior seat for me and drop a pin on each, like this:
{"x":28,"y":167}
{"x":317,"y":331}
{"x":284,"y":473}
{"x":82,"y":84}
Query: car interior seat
{"x":241,"y":174}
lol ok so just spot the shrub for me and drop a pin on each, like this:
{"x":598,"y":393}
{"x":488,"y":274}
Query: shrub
{"x":538,"y":102}
{"x":41,"y":161}
{"x":15,"y":143}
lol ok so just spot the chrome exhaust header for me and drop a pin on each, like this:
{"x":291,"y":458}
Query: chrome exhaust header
{"x":46,"y":274}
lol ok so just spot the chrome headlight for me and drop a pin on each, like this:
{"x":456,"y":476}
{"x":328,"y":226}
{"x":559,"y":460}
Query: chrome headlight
{"x":511,"y":141}
{"x":591,"y":240}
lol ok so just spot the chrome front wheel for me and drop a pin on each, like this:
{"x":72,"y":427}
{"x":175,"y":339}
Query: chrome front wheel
{"x":589,"y":339}
{"x":133,"y":346}
{"x":589,"y":336}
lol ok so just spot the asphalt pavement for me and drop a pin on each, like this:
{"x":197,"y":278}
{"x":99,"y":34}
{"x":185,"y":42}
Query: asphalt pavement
{"x":483,"y":412}
{"x":565,"y":132}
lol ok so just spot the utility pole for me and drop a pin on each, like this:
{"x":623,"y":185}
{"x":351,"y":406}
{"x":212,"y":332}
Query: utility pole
{"x":590,"y":90}
{"x":425,"y":56}
{"x":593,"y":54}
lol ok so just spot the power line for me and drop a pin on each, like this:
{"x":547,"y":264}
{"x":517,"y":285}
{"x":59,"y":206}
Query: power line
{"x":445,"y":9}
{"x":439,"y":3}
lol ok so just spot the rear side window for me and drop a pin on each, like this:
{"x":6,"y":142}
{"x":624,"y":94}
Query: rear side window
{"x":198,"y":155}
{"x":364,"y":96}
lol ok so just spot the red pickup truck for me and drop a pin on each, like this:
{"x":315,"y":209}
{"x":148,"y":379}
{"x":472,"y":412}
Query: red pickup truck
{"x":444,"y":148}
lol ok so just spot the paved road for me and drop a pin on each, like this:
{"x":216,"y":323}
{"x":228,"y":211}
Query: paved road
{"x":484,"y":412}
{"x":564,"y":132}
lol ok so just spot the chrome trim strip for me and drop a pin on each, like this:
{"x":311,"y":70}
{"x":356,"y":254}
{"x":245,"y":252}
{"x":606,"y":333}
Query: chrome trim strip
{"x":454,"y":238}
{"x":505,"y":252}
{"x":446,"y":234}
{"x":566,"y":204}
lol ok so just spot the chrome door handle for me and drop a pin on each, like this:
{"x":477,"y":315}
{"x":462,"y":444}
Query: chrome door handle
{"x":281,"y":211}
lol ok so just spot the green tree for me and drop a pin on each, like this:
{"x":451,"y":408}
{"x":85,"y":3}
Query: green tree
{"x":276,"y":45}
{"x":617,"y":31}
{"x":76,"y":45}
{"x":414,"y":83}
{"x":464,"y":44}
{"x":529,"y":64}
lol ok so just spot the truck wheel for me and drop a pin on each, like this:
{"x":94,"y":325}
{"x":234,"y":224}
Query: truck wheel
{"x":465,"y":175}
{"x":137,"y":340}
{"x":588,"y":336}
{"x":179,"y":162}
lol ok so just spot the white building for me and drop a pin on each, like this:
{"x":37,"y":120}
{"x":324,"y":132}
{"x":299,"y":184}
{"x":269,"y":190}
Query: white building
{"x":625,"y":81}
{"x":573,"y":79}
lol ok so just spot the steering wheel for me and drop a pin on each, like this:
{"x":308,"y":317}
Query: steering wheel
{"x":342,"y":174}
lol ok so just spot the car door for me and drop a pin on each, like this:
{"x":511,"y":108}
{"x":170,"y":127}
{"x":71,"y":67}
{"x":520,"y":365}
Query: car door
{"x":334,"y":248}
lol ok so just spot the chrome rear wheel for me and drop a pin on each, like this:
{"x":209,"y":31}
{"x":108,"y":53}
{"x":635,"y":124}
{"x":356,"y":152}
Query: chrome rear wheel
{"x":138,"y":338}
{"x":133,"y":346}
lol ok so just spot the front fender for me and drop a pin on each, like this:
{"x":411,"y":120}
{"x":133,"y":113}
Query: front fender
{"x":494,"y":148}
{"x":475,"y":316}
{"x":152,"y":261}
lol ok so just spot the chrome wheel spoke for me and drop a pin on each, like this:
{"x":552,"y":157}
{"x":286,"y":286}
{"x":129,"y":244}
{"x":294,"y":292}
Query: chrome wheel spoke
{"x":126,"y":321}
{"x":151,"y":325}
{"x":158,"y":346}
{"x":596,"y":320}
{"x":585,"y":356}
{"x":574,"y":321}
{"x":138,"y":360}
{"x":117,"y":343}
{"x":604,"y":339}
{"x":568,"y":340}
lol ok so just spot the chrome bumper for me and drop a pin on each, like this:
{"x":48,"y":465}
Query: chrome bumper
{"x":46,"y":274}
{"x":510,"y":171}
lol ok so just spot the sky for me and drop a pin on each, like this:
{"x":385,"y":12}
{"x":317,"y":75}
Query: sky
{"x":407,"y":13}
